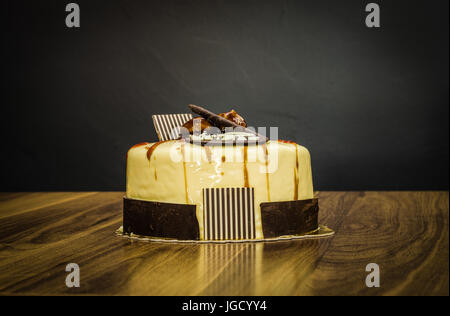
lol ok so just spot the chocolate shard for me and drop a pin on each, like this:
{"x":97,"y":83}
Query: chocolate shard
{"x":289,"y":217}
{"x":163,"y":220}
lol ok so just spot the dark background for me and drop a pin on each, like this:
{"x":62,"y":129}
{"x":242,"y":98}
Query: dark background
{"x":371,"y":105}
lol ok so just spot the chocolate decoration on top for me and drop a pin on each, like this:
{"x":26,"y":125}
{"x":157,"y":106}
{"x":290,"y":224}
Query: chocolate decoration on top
{"x":211,"y":117}
{"x":168,"y":125}
{"x":189,"y":125}
{"x":221,"y":122}
{"x":234,"y":117}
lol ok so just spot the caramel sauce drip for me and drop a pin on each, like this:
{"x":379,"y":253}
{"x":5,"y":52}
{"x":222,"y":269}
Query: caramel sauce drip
{"x":296,"y":175}
{"x":223,"y":159}
{"x":246,"y":184}
{"x":151,"y":150}
{"x":286,"y":141}
{"x":137,"y":145}
{"x":266,"y":155}
{"x":296,"y":169}
{"x":185,"y":175}
{"x":149,"y":155}
{"x":153,"y":147}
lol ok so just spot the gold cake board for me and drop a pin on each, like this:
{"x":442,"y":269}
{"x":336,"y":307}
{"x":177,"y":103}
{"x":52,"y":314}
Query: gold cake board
{"x":321,"y":232}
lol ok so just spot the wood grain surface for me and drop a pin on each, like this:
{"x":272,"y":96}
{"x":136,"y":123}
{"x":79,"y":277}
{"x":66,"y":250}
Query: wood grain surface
{"x":405,"y":233}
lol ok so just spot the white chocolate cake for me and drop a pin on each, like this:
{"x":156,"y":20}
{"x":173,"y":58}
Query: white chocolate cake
{"x":191,"y":188}
{"x":153,"y":174}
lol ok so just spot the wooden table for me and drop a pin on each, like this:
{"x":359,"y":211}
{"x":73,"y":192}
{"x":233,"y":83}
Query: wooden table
{"x":405,"y":233}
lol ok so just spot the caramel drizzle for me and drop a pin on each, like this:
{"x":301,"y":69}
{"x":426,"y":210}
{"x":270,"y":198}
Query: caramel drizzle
{"x":296,"y":175}
{"x":149,"y":156}
{"x":137,"y":145}
{"x":153,"y":147}
{"x":266,"y":153}
{"x":286,"y":141}
{"x":246,"y":184}
{"x":150,"y":152}
{"x":185,"y":175}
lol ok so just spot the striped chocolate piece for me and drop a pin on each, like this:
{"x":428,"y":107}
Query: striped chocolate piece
{"x":229,"y":213}
{"x":168,"y":125}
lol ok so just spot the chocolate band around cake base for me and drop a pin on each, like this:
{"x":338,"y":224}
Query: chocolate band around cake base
{"x":179,"y":221}
{"x":289,"y":218}
{"x":164,"y":220}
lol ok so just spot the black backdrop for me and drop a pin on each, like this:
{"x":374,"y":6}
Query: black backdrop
{"x":372,"y":105}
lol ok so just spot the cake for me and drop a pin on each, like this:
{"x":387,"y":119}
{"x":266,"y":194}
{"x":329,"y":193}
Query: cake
{"x":213,"y":184}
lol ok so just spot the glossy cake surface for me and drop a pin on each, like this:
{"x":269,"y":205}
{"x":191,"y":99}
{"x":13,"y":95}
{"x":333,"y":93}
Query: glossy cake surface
{"x":177,"y":172}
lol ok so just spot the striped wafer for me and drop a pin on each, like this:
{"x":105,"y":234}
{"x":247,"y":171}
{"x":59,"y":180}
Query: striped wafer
{"x":168,"y":125}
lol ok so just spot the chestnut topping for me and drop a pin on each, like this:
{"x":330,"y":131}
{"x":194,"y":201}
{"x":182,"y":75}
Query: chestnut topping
{"x":234,"y":117}
{"x":189,"y":125}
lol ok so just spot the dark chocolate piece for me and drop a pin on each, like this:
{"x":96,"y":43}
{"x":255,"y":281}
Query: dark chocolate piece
{"x":156,"y":219}
{"x":289,"y":217}
{"x":179,"y":221}
{"x":211,"y":117}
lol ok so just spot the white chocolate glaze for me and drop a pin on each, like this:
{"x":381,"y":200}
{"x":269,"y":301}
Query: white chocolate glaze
{"x":176,"y":172}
